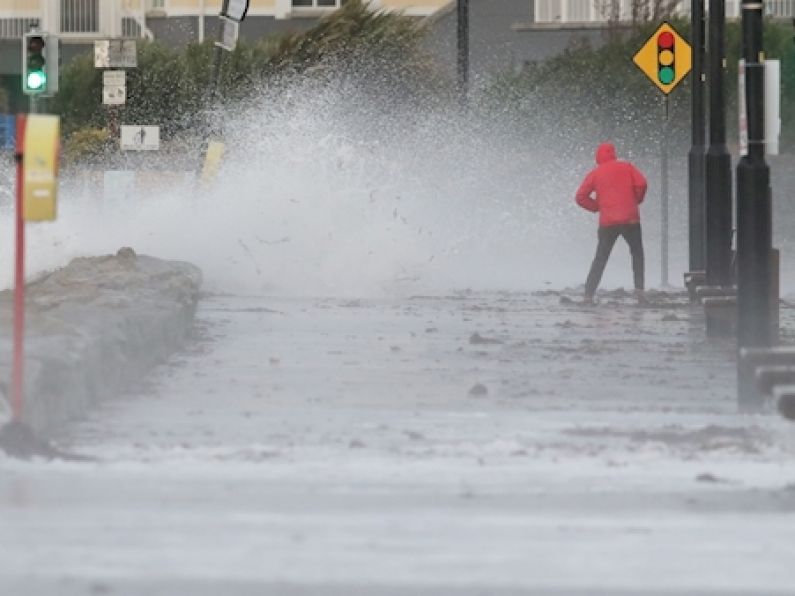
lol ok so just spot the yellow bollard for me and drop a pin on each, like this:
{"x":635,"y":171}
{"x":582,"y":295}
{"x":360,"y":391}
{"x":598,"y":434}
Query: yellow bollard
{"x":212,"y":161}
{"x":40,"y":171}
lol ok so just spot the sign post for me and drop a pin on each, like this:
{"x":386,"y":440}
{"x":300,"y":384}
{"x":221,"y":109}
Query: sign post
{"x":757,"y":276}
{"x":695,"y":162}
{"x":666,"y":58}
{"x":233,"y":12}
{"x":38,"y":147}
{"x":718,"y":187}
{"x":119,"y":54}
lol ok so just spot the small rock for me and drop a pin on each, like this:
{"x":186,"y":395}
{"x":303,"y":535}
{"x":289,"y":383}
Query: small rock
{"x":126,"y":253}
{"x":478,"y":390}
{"x":709,"y":477}
{"x":670,"y":317}
{"x":477,"y":339}
{"x":356,"y":444}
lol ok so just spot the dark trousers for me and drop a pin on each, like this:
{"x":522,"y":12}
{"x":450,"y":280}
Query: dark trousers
{"x":607,"y":238}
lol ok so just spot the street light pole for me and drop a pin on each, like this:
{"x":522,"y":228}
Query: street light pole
{"x":754,"y":212}
{"x":218,"y":55}
{"x":718,"y":161}
{"x":696,"y":164}
{"x":463,"y":49}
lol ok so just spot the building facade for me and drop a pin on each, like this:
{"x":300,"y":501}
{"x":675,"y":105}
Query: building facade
{"x":78,"y":20}
{"x":81,"y":20}
{"x":504,"y":34}
{"x":77,"y":23}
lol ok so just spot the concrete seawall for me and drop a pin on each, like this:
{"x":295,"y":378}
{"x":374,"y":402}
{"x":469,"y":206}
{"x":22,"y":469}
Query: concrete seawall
{"x":94,"y":328}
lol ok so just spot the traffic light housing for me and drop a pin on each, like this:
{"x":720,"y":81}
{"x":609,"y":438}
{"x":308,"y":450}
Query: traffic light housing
{"x":666,"y":67}
{"x":34,"y":63}
{"x":39,"y":63}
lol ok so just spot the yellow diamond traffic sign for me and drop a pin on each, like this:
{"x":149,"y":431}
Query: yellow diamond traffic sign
{"x":665,"y":58}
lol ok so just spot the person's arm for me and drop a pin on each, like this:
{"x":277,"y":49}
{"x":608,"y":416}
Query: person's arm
{"x":583,"y":196}
{"x":639,"y":185}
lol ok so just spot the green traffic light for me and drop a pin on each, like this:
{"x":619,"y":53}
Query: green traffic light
{"x":37,"y":80}
{"x":666,"y":75}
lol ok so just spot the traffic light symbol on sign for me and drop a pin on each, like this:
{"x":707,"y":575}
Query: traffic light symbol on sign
{"x":665,"y":58}
{"x":666,"y":55}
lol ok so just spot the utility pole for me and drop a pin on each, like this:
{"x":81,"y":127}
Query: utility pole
{"x":696,"y":215}
{"x":754,"y":212}
{"x":718,"y":160}
{"x":463,"y":50}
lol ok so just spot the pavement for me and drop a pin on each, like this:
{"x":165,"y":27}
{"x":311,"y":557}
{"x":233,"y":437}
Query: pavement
{"x":476,"y":443}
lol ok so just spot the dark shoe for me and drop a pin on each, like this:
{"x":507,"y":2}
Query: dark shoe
{"x":641,"y":298}
{"x":587,"y":299}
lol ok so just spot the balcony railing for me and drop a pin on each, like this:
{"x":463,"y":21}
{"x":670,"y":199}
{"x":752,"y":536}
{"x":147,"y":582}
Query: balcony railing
{"x":603,"y":11}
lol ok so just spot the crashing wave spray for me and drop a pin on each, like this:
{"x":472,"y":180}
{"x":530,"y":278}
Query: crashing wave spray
{"x":327,"y":191}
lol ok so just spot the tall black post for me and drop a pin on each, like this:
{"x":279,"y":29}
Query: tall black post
{"x":718,"y":161}
{"x":696,"y":181}
{"x":214,"y":96}
{"x":463,"y":49}
{"x":754,"y":212}
{"x":218,"y":54}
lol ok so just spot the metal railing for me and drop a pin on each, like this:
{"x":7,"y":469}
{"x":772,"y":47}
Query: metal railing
{"x":16,"y":27}
{"x":603,"y":11}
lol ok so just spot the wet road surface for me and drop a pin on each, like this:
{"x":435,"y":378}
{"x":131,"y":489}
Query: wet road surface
{"x":474,"y":444}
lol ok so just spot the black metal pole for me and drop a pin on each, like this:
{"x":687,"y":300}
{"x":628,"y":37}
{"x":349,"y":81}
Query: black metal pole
{"x":696,"y":181}
{"x":463,"y":49}
{"x":664,"y":194}
{"x":218,"y":55}
{"x":214,"y":96}
{"x":718,"y":161}
{"x":754,"y":212}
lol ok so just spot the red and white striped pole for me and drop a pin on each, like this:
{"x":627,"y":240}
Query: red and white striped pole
{"x":18,"y":367}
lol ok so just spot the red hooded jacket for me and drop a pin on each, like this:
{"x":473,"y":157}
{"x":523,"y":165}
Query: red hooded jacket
{"x":619,"y":188}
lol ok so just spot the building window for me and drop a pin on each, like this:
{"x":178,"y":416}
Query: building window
{"x":79,"y":16}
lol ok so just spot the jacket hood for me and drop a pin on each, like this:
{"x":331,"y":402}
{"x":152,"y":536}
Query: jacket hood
{"x":605,"y":152}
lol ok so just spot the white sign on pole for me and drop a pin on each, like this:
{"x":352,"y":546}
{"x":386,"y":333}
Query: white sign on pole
{"x":230,"y":30}
{"x":115,"y":53}
{"x":772,"y":107}
{"x":140,"y":138}
{"x":742,"y":112}
{"x":114,"y":87}
{"x":237,"y":9}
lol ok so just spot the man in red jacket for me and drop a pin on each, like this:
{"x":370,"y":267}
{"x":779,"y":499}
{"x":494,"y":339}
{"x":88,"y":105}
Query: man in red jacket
{"x":618,"y":188}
